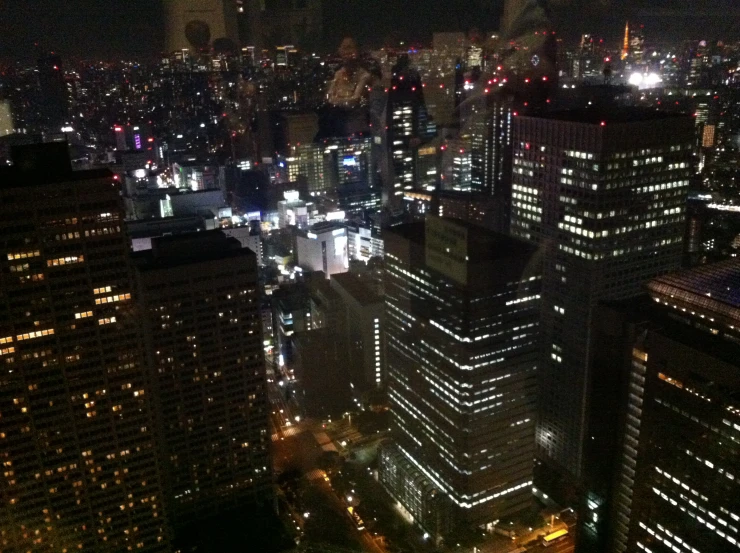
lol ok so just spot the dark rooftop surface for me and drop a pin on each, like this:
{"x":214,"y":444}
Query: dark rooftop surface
{"x":621,"y":115}
{"x":187,"y":249}
{"x":40,"y":164}
{"x":357,"y":288}
{"x":719,"y":282}
{"x":483,"y":244}
{"x":643,"y":309}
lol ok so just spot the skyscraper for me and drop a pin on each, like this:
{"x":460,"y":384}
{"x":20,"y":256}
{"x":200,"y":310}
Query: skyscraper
{"x":604,"y":196}
{"x":677,"y":474}
{"x":77,"y":433}
{"x":204,"y":345}
{"x":408,"y":127}
{"x":491,"y":153}
{"x":462,"y":344}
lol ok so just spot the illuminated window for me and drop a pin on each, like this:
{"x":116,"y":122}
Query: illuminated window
{"x":83,"y":315}
{"x":112,"y":299}
{"x":106,"y":321}
{"x":673,"y":381}
{"x":65,"y":260}
{"x":6,"y":340}
{"x":32,"y":335}
{"x":23,"y":255}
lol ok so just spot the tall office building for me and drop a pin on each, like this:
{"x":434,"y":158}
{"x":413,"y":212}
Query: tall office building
{"x":490,"y":134}
{"x":309,"y":168}
{"x":491,"y":154}
{"x":408,"y":127}
{"x":604,"y":197}
{"x":364,"y":310}
{"x":462,"y":316}
{"x":195,"y":24}
{"x":77,"y":433}
{"x":677,"y":475}
{"x":204,"y":344}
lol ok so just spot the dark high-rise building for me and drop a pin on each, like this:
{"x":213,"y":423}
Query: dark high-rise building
{"x":604,"y":197}
{"x":204,"y":344}
{"x":77,"y":431}
{"x":677,"y":470}
{"x":491,"y":147}
{"x":54,"y":101}
{"x":491,"y":154}
{"x":462,"y":341}
{"x":408,"y":127}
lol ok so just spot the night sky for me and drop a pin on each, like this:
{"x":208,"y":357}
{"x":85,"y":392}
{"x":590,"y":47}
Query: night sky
{"x":108,"y":29}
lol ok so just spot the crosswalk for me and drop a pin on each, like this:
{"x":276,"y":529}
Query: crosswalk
{"x":286,"y":433}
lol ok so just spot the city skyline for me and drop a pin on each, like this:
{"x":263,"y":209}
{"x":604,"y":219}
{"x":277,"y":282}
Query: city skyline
{"x":370,"y":276}
{"x":137,"y":31}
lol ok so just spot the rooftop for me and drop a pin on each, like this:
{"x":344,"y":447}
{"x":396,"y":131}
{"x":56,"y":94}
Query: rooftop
{"x":356,"y":287}
{"x":718,"y":282}
{"x":187,"y":249}
{"x":40,"y":164}
{"x":483,"y":244}
{"x":597,"y":116}
{"x":642,"y":309}
{"x":710,"y":291}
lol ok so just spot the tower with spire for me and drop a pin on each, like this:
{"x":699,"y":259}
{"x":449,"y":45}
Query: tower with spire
{"x":626,"y":44}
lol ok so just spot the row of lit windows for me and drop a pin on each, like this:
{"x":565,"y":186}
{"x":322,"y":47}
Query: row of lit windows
{"x":112,"y":299}
{"x":35,"y":334}
{"x":65,"y":260}
{"x":23,"y":255}
{"x":709,"y":524}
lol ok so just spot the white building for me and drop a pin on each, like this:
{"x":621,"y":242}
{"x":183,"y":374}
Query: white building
{"x":323,"y":248}
{"x":292,"y":211}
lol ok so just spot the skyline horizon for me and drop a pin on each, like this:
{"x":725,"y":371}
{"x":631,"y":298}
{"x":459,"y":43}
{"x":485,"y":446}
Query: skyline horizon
{"x":140,"y":32}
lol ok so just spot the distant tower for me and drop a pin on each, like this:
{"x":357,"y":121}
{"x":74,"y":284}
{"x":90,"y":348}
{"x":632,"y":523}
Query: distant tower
{"x":626,"y":43}
{"x":195,"y":24}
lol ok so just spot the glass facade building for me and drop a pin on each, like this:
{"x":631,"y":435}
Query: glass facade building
{"x":676,"y":486}
{"x":604,"y":196}
{"x":462,"y":307}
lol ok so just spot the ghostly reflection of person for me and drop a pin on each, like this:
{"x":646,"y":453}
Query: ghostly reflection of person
{"x":350,"y":83}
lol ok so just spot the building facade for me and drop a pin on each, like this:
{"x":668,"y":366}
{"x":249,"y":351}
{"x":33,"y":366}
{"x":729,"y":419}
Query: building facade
{"x":200,"y":304}
{"x":604,"y":197}
{"x":676,"y":484}
{"x":364,"y":315}
{"x":77,"y":431}
{"x":324,"y":247}
{"x":462,"y":308}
